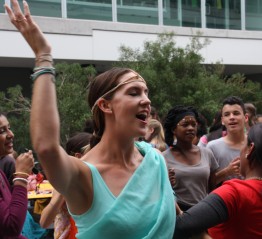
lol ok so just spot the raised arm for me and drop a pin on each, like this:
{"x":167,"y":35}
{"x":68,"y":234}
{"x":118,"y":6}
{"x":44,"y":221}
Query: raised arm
{"x":44,"y":121}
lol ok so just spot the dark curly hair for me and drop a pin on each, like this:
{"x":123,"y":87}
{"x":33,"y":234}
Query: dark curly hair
{"x":173,"y":117}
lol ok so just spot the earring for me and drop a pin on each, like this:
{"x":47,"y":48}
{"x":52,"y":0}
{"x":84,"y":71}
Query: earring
{"x":175,"y":141}
{"x":246,"y":156}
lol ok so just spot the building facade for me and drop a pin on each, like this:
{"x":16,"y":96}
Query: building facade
{"x":91,"y":32}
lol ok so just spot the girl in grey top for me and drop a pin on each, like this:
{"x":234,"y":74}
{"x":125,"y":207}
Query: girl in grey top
{"x":194,"y":167}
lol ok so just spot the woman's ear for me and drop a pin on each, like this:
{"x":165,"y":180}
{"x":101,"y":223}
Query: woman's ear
{"x":250,"y":150}
{"x":78,"y":155}
{"x":104,"y":105}
{"x":246,"y":118}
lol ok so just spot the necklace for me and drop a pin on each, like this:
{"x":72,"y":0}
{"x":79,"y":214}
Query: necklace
{"x":257,"y":178}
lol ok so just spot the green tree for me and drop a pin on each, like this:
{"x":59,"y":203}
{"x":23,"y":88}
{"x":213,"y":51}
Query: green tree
{"x":177,"y":75}
{"x":71,"y":85}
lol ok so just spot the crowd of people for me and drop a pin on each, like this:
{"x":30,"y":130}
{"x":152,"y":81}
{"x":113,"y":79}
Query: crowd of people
{"x":133,"y":175}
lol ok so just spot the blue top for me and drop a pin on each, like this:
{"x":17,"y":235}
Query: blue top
{"x":144,"y":209}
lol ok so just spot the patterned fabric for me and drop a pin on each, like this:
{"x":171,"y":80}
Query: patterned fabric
{"x":62,"y":224}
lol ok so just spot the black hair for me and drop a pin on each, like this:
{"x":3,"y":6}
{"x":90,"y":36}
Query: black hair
{"x":89,"y":126}
{"x":234,"y":100}
{"x":202,"y":125}
{"x":76,"y":143}
{"x":154,"y":113}
{"x":255,"y":136}
{"x":172,"y":119}
{"x":3,"y":114}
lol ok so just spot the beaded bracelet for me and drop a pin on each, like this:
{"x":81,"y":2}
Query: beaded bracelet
{"x":21,"y":173}
{"x":20,"y":179}
{"x":43,"y":70}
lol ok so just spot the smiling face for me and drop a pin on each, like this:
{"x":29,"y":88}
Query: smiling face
{"x":233,"y":118}
{"x":6,"y":137}
{"x":186,"y":129}
{"x":130,"y":106}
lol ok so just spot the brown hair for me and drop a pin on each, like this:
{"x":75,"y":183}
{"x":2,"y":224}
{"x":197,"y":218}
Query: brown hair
{"x":77,"y":143}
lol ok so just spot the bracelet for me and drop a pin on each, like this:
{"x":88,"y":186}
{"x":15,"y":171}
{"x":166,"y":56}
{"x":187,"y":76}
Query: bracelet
{"x":20,"y":179}
{"x":44,"y":57}
{"x":21,"y":173}
{"x":45,"y":70}
{"x":39,"y":68}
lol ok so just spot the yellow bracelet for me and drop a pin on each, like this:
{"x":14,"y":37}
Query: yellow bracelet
{"x":21,"y":173}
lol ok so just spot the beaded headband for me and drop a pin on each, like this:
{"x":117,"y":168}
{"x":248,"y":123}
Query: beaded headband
{"x":136,"y":78}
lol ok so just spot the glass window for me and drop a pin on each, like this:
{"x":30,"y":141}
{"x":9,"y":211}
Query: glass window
{"x":137,"y":11}
{"x":223,"y":14}
{"x":2,"y":9}
{"x":186,"y":13}
{"x":91,"y":10}
{"x":47,"y":8}
{"x":254,"y":15}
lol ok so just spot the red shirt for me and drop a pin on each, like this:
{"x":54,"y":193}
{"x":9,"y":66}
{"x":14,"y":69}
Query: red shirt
{"x":243,"y":199}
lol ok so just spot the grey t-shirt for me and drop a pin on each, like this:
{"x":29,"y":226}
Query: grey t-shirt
{"x":192,"y":180}
{"x":223,"y":153}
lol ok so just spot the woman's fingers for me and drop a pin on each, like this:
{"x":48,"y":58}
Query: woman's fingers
{"x":15,"y":14}
{"x":27,"y":12}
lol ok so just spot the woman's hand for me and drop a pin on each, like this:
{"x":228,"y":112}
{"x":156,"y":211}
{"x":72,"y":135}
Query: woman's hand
{"x":25,"y":162}
{"x":28,"y":28}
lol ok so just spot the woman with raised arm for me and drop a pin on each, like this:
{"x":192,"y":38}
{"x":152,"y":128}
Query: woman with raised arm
{"x":121,"y":188}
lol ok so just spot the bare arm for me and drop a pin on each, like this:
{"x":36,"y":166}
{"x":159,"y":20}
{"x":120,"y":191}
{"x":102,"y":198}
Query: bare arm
{"x":44,"y":121}
{"x":50,"y":211}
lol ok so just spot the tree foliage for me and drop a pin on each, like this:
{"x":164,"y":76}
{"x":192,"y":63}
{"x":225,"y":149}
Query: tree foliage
{"x":71,"y":86}
{"x":176,"y":75}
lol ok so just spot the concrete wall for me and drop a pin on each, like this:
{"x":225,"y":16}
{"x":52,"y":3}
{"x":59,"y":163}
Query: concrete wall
{"x":100,"y":41}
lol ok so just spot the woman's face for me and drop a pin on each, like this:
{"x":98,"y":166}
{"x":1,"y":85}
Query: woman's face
{"x":186,"y":129}
{"x":130,"y":107}
{"x":6,"y":137}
